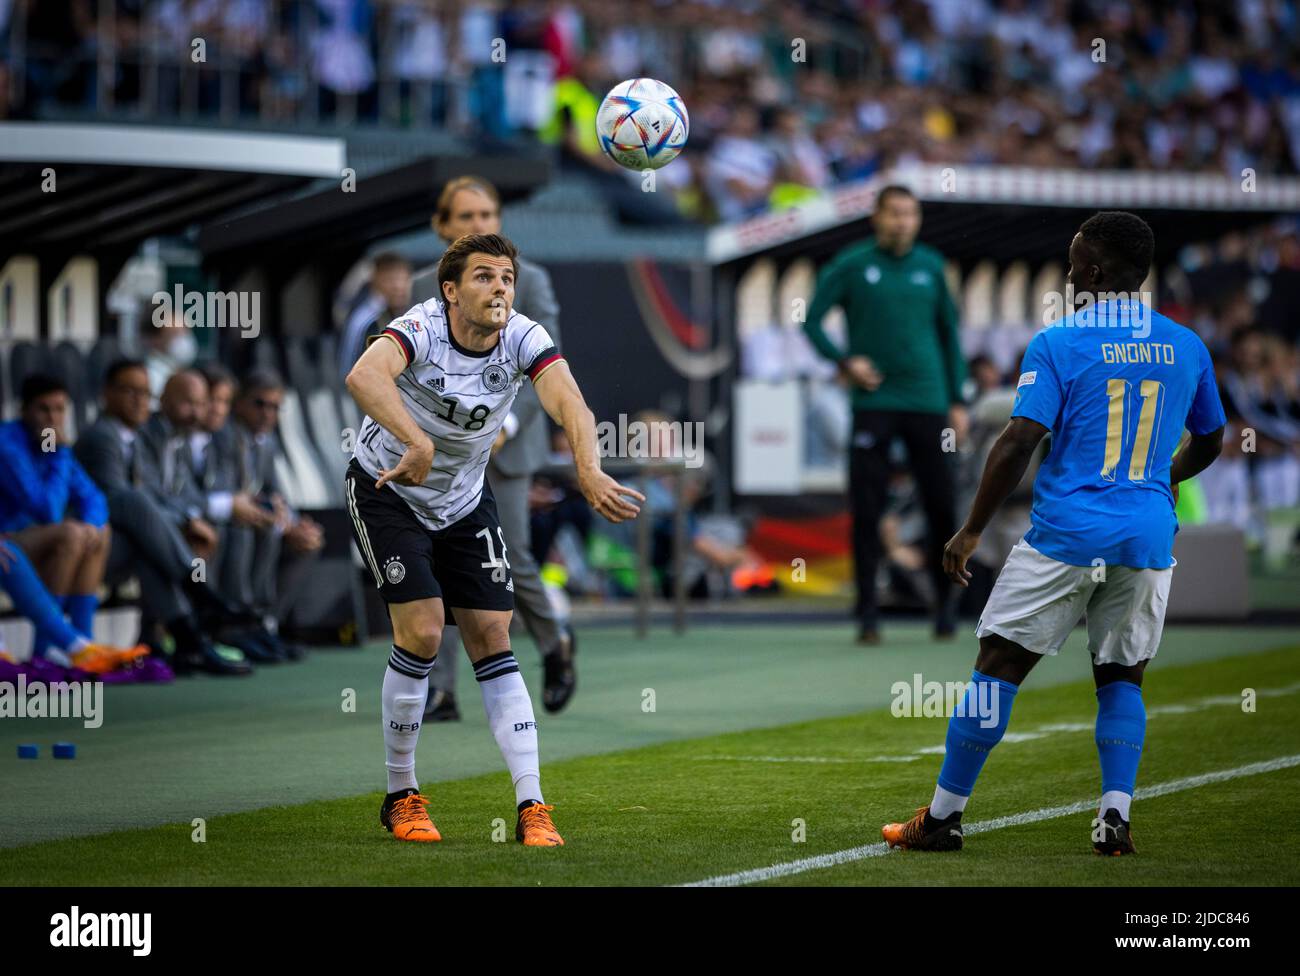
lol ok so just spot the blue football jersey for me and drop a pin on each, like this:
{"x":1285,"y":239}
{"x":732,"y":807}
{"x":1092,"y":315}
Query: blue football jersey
{"x":1116,"y":383}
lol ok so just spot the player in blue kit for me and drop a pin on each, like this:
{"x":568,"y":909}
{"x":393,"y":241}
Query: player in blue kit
{"x":1116,"y":384}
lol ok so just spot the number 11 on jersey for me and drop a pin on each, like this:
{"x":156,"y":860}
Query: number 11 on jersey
{"x":1148,"y":427}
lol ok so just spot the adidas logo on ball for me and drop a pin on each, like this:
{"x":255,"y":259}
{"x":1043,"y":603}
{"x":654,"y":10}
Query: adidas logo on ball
{"x":642,"y":124}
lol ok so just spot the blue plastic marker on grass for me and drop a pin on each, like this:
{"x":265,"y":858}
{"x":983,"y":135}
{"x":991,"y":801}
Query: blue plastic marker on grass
{"x":27,"y":750}
{"x":65,"y":750}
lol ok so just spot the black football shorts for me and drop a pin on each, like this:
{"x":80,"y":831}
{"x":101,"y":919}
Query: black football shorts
{"x":465,"y":564}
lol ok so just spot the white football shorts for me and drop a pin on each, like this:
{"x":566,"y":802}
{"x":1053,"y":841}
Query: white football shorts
{"x":1037,"y":601}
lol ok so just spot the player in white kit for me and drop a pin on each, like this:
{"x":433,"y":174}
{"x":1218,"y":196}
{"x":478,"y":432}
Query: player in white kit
{"x":436,"y":387}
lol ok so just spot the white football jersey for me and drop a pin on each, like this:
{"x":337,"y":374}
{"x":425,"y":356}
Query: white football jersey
{"x":460,"y":398}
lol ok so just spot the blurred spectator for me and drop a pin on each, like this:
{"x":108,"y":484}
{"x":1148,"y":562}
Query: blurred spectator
{"x":554,"y":502}
{"x":49,"y":506}
{"x":385,"y":297}
{"x":418,"y":58}
{"x":904,"y":363}
{"x":222,"y":503}
{"x":741,"y":170}
{"x":250,"y":564}
{"x":1259,"y":387}
{"x":147,"y":539}
{"x":986,"y":375}
{"x":168,"y":347}
{"x":64,"y":644}
{"x":165,"y":435}
{"x":801,"y":164}
{"x":184,"y":408}
{"x":341,"y":60}
{"x":717,"y":559}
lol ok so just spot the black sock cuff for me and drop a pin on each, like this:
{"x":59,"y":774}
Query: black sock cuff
{"x":496,"y":665}
{"x":404,"y":662}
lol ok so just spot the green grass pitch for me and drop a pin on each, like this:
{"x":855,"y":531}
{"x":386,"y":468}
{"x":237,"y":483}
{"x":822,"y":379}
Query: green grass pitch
{"x":651,"y":797}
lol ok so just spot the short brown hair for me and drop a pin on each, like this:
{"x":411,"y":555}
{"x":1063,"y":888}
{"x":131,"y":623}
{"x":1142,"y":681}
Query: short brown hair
{"x":389,"y":260}
{"x":453,"y":262}
{"x":476,"y":183}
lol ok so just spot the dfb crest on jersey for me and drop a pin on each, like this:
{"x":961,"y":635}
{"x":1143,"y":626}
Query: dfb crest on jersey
{"x":394,"y":571}
{"x":495,"y":378}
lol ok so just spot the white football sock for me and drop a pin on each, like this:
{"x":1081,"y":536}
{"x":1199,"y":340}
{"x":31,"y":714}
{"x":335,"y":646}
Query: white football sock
{"x":510,"y":714}
{"x":63,"y":656}
{"x":946,"y":803}
{"x":1115,"y":800}
{"x":406,"y":685}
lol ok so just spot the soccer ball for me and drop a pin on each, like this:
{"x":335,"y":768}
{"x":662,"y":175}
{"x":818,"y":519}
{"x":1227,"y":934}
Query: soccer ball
{"x":642,"y":124}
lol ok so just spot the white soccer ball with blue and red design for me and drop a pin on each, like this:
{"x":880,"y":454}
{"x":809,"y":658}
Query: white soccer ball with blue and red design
{"x":642,"y":124}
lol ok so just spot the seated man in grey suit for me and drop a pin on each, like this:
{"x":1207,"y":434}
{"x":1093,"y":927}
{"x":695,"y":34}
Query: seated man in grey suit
{"x":244,"y":453}
{"x":163,"y":438}
{"x":470,"y":205}
{"x":211,"y":457}
{"x":167,"y":436}
{"x":149,"y":529}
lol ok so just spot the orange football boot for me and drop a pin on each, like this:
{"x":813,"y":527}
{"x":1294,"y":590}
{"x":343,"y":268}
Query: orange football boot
{"x":917,"y":835}
{"x":406,"y":819}
{"x":535,"y":828}
{"x":102,"y":658}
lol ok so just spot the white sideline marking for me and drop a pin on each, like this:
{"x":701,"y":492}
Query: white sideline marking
{"x":1028,"y":735}
{"x":820,"y":861}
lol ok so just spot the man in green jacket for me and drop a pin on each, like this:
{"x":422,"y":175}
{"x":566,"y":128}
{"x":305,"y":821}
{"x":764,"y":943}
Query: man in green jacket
{"x":905,"y":367}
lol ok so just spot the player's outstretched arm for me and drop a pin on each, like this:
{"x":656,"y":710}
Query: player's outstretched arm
{"x":563,"y":401}
{"x":371,"y":383}
{"x":1006,"y":465}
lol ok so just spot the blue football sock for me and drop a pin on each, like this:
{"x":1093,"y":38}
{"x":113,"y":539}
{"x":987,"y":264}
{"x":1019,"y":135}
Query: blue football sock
{"x":1121,"y":730}
{"x":81,"y":609}
{"x":985,"y":711}
{"x":30,"y":597}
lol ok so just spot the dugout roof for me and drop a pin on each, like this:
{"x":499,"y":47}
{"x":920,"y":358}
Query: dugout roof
{"x":113,"y":186}
{"x":377,"y":206}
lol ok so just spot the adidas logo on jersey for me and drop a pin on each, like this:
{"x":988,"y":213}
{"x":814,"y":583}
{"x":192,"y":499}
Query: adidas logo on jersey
{"x":510,"y":585}
{"x":438,"y":383}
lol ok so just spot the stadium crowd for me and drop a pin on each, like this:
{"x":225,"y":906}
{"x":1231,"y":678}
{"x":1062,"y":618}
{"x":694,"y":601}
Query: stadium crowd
{"x":786,"y":99}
